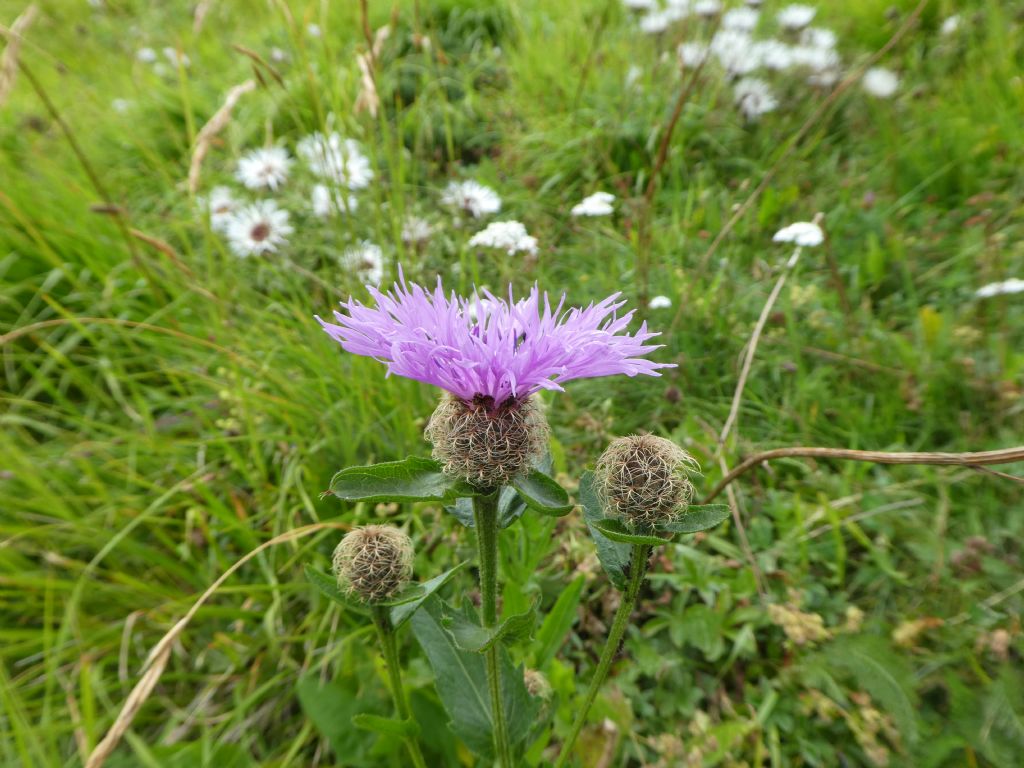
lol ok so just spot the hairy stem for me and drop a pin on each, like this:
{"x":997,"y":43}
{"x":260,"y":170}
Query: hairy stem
{"x":485,"y":519}
{"x":637,"y":571}
{"x":389,"y":649}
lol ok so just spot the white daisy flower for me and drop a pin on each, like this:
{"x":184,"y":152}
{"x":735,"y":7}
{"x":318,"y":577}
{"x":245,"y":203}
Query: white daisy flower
{"x":1004,"y":288}
{"x":795,"y":17}
{"x":325,"y":203}
{"x":818,"y":37}
{"x":824,"y":79}
{"x":336,"y":159}
{"x":659,"y":302}
{"x":313,"y":30}
{"x":258,"y":228}
{"x":597,"y":204}
{"x":509,"y":236}
{"x":814,"y":58}
{"x":880,"y":82}
{"x":366,"y":259}
{"x":707,"y":8}
{"x":742,"y":19}
{"x":640,"y":5}
{"x":735,"y":51}
{"x":692,"y":55}
{"x":754,"y":97}
{"x":221,"y":207}
{"x":773,"y":55}
{"x":803,"y":233}
{"x":416,"y":230}
{"x":266,"y":167}
{"x":145,"y":55}
{"x":655,"y":22}
{"x":472,"y":197}
{"x":175,"y":57}
{"x":950,"y":25}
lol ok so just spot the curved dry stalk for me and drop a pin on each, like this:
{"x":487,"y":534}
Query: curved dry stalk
{"x":9,"y":58}
{"x":158,"y":657}
{"x":214,"y":126}
{"x":970,"y":459}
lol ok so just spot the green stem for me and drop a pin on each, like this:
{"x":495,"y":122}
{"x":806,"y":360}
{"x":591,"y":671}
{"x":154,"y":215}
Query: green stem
{"x":637,"y":571}
{"x":389,"y":648}
{"x":485,"y":520}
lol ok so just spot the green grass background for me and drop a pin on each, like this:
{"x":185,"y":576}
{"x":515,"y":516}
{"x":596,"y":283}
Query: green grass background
{"x":162,"y":416}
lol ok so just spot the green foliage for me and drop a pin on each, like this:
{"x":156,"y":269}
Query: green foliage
{"x":412,"y":479}
{"x":543,"y":494}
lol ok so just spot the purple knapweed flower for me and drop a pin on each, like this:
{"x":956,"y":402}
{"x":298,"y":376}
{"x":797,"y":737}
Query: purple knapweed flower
{"x":491,"y":348}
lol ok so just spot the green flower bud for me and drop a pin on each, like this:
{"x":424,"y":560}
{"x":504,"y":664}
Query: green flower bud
{"x":374,"y":563}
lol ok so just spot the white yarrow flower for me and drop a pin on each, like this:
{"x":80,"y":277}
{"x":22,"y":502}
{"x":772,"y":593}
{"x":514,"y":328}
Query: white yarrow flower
{"x":366,"y":259}
{"x":326,"y":203}
{"x":880,"y":82}
{"x":754,"y":97}
{"x":266,"y":167}
{"x":336,"y":159}
{"x":508,"y":236}
{"x":797,"y":16}
{"x":742,"y":19}
{"x":1006,"y":287}
{"x":803,"y":233}
{"x":472,"y":197}
{"x":258,"y":228}
{"x":597,"y":204}
{"x":660,"y":302}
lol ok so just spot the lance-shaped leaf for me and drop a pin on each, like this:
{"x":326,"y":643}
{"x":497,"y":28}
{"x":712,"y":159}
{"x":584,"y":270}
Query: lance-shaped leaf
{"x":543,"y":493}
{"x":407,"y":604}
{"x":698,"y":517}
{"x":386,"y":725}
{"x":614,"y":556}
{"x":328,"y":587}
{"x":469,"y":636}
{"x":413,"y":479}
{"x":510,"y":507}
{"x":616,"y":531}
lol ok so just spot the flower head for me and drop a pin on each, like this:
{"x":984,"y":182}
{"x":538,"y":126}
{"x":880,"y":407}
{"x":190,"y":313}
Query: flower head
{"x":511,"y":349}
{"x":597,"y":204}
{"x":336,"y":159}
{"x":366,"y":259}
{"x":880,"y":82}
{"x":691,"y":54}
{"x":754,"y":97}
{"x":508,"y":236}
{"x":950,"y":25}
{"x":266,"y":167}
{"x":1013,"y":285}
{"x":803,"y":233}
{"x":659,"y":302}
{"x":221,"y":206}
{"x":796,"y":16}
{"x":258,"y":228}
{"x":735,"y":51}
{"x":742,"y":19}
{"x":373,"y":563}
{"x":474,"y":198}
{"x":326,"y":203}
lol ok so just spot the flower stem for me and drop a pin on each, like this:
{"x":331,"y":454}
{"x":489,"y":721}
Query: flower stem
{"x":389,"y":648}
{"x":637,"y":571}
{"x":485,"y":519}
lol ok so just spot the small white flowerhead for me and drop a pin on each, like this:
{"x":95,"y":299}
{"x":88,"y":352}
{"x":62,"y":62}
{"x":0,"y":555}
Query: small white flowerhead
{"x":278,"y":55}
{"x":796,"y":17}
{"x":660,"y":302}
{"x":950,"y":25}
{"x":802,"y":233}
{"x":773,"y":55}
{"x":597,"y":204}
{"x":336,"y":159}
{"x":814,"y":58}
{"x":258,"y":228}
{"x":508,"y":236}
{"x":264,"y":168}
{"x":818,"y":37}
{"x":880,"y":82}
{"x":146,"y":55}
{"x":640,"y":5}
{"x":633,"y":75}
{"x":735,"y":51}
{"x":472,"y":197}
{"x":754,"y":97}
{"x":176,"y":57}
{"x":313,"y":30}
{"x":1004,"y":288}
{"x":366,"y":259}
{"x":691,"y":54}
{"x":416,"y":231}
{"x":221,"y":206}
{"x":326,"y":202}
{"x":707,"y":8}
{"x":742,"y":19}
{"x":120,"y":105}
{"x":655,"y":22}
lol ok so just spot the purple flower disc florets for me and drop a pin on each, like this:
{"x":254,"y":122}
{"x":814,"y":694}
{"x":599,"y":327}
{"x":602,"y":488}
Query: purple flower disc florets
{"x":488,"y":347}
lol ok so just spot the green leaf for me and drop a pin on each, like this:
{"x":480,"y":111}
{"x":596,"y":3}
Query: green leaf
{"x":883,"y":673}
{"x":461,"y":682}
{"x":558,"y":622}
{"x":510,"y":507}
{"x":616,"y":531}
{"x":402,"y":611}
{"x":698,"y":517}
{"x":331,"y":707}
{"x":329,"y":588}
{"x":386,"y":725}
{"x":613,"y":555}
{"x":471,"y":637}
{"x":413,"y":479}
{"x":543,"y":494}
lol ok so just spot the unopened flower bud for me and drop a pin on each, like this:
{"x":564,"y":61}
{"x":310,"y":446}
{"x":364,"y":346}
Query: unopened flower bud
{"x":642,"y":480}
{"x":485,"y":444}
{"x":373,"y":563}
{"x":536,"y":684}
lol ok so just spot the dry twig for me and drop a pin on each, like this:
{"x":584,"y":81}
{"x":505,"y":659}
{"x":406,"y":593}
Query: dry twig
{"x":9,"y":59}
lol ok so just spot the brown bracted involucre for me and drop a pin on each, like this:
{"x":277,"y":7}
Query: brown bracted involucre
{"x":486,"y":445}
{"x":373,"y":563}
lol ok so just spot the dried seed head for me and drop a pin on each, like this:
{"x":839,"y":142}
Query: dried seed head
{"x":536,"y":684}
{"x":374,"y":562}
{"x":485,"y":444}
{"x":642,"y":480}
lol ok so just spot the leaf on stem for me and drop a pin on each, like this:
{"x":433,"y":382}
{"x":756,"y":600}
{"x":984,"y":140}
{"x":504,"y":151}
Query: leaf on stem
{"x":407,"y":604}
{"x":543,"y":494}
{"x":412,"y":479}
{"x":614,"y":556}
{"x":698,"y":517}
